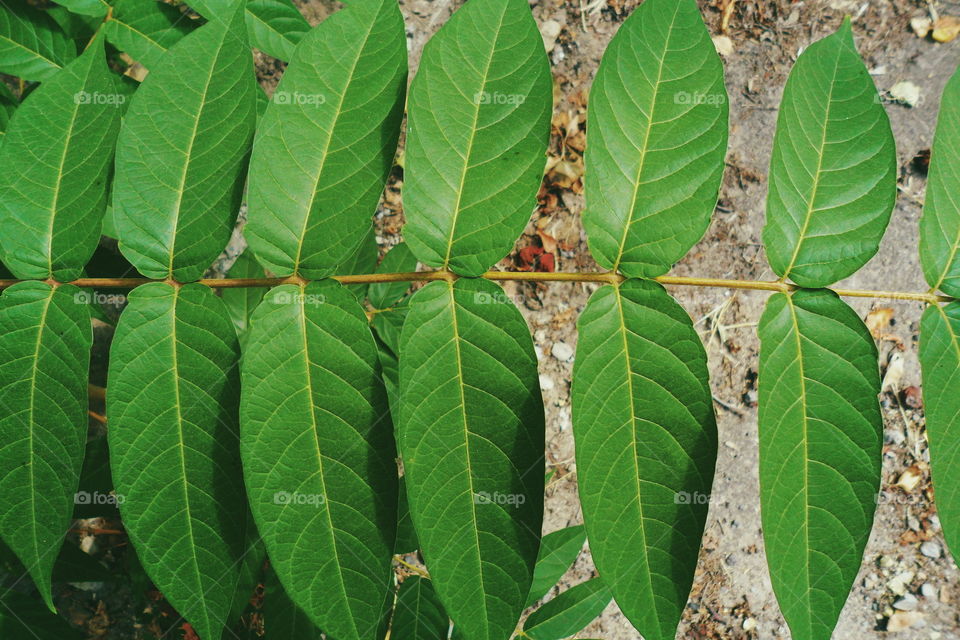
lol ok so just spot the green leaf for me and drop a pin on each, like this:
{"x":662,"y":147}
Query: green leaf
{"x":833,"y":173}
{"x":388,"y":324}
{"x":25,"y":617}
{"x":57,"y":158}
{"x":282,"y":618}
{"x":251,"y":569}
{"x":275,"y":27}
{"x":172,"y":406}
{"x":326,"y":143}
{"x":419,"y":614}
{"x":657,"y":137}
{"x":242,"y":301}
{"x":940,"y":223}
{"x":363,"y":260}
{"x":182,"y":153}
{"x":318,"y":455}
{"x":646,"y":446}
{"x":479,"y":123}
{"x":45,"y":340}
{"x":94,"y":8}
{"x":471,"y":434}
{"x":558,"y":550}
{"x":940,"y":361}
{"x":568,"y":613}
{"x":406,"y":534}
{"x":8,"y":104}
{"x":32,"y":45}
{"x":398,"y":260}
{"x":146,"y":29}
{"x":820,"y":440}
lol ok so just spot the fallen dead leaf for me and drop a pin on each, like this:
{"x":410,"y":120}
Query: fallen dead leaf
{"x":946,"y":28}
{"x":910,"y":478}
{"x":903,"y":620}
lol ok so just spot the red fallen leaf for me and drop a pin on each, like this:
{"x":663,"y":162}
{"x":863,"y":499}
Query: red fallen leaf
{"x":527,"y":257}
{"x":546,"y":263}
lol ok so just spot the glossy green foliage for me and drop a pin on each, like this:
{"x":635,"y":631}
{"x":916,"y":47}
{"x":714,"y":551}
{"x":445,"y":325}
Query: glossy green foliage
{"x":45,"y":340}
{"x":32,"y":44}
{"x":820,"y":439}
{"x":569,"y":612}
{"x":479,"y":120}
{"x":940,"y":360}
{"x":646,"y":443}
{"x":174,"y":445}
{"x":657,"y":128}
{"x":319,"y":455}
{"x":146,"y":29}
{"x":833,"y":173}
{"x":471,"y":434}
{"x":57,"y":157}
{"x":940,"y":224}
{"x":182,"y":153}
{"x":419,"y":614}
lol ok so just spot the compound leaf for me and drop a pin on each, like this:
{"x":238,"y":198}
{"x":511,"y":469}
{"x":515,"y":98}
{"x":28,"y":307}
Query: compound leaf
{"x":479,"y":122}
{"x":419,"y":614}
{"x":820,"y":438}
{"x":833,"y":173}
{"x":646,"y":446}
{"x":45,"y":340}
{"x":182,"y":152}
{"x":32,"y":44}
{"x":318,"y":455}
{"x":275,"y":27}
{"x":558,"y":550}
{"x":569,"y":612}
{"x":940,"y":360}
{"x":471,"y":435}
{"x":327,"y":141}
{"x":174,"y":450}
{"x":657,"y":137}
{"x":940,"y":224}
{"x":146,"y":29}
{"x":57,"y":158}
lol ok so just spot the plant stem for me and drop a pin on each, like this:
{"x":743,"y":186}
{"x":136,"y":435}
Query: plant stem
{"x":601,"y":277}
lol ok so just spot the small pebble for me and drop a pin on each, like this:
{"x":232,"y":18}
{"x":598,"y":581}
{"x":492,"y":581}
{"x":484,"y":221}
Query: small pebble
{"x":562,"y":351}
{"x":930,"y":549}
{"x":903,"y":620}
{"x":928,"y":590}
{"x":546,"y":382}
{"x":908,"y":602}
{"x":749,"y":624}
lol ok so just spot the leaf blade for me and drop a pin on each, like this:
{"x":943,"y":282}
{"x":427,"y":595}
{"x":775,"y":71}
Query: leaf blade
{"x":32,"y":45}
{"x":146,"y":29}
{"x":275,"y":27}
{"x":640,"y":481}
{"x":419,"y":614}
{"x":655,"y":150}
{"x":182,"y":152}
{"x":478,"y":510}
{"x":58,"y":154}
{"x":558,"y":550}
{"x":820,"y":441}
{"x":940,"y":223}
{"x":940,"y":363}
{"x":830,"y":198}
{"x":464,"y":211}
{"x":327,"y":140}
{"x":45,"y":347}
{"x":315,"y":424}
{"x":569,"y":612}
{"x":174,"y":448}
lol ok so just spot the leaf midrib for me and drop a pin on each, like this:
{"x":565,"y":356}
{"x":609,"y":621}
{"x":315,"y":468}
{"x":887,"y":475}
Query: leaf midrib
{"x":817,"y":174}
{"x":473,"y":136}
{"x":646,"y":140}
